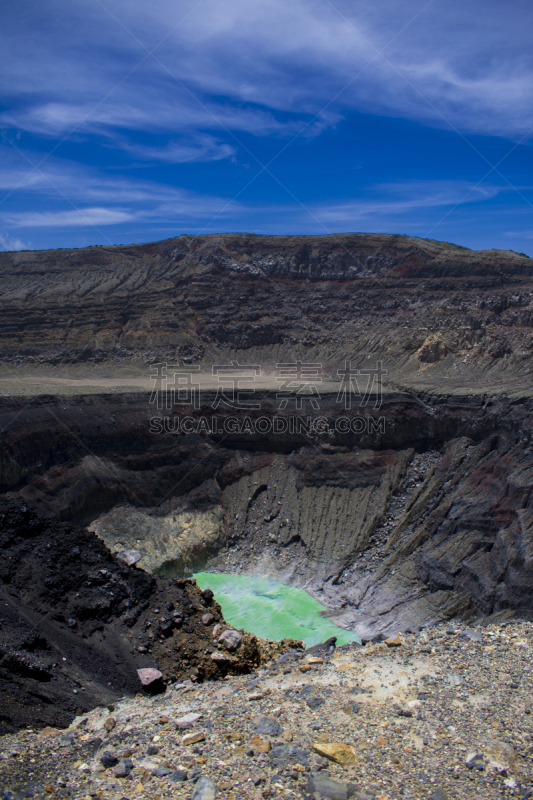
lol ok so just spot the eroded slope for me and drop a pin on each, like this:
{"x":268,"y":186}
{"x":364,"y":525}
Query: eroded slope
{"x":427,"y":518}
{"x":433,"y":312}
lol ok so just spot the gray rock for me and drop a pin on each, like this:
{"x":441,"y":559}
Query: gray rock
{"x":474,"y":636}
{"x":439,"y":794}
{"x":322,"y":649}
{"x":66,"y":740}
{"x":107,"y":759}
{"x":475,"y":761}
{"x":187,"y":720}
{"x":123,"y":768}
{"x":216,"y":656}
{"x":285,"y":754}
{"x":161,"y":772}
{"x":329,"y":788}
{"x":205,"y":789}
{"x":404,"y":712}
{"x":178,"y":776}
{"x":208,"y":618}
{"x":230,"y":639}
{"x":314,"y":702}
{"x":268,"y":726}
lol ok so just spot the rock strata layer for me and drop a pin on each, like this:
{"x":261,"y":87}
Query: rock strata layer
{"x":432,"y":311}
{"x":426,"y":518}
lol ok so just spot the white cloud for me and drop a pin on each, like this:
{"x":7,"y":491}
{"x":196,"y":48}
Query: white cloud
{"x":153,"y":112}
{"x":243,"y":63}
{"x":78,"y":218}
{"x":199,"y":148}
{"x":98,"y":199}
{"x":400,"y":198}
{"x":9,"y":243}
{"x":106,"y":200}
{"x":61,"y":179}
{"x":519,"y":234}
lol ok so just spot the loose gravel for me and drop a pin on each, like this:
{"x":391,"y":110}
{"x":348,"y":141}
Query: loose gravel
{"x":445,"y":713}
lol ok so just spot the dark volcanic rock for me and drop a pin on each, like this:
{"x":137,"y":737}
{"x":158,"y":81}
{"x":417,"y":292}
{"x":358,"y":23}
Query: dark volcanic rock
{"x":52,"y":572}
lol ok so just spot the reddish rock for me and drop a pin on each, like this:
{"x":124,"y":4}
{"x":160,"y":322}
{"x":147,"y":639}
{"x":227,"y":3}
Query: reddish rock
{"x":130,"y":557}
{"x":148,"y":675}
{"x":230,"y":639}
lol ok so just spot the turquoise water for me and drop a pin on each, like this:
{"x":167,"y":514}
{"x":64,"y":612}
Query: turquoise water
{"x":271,"y":609}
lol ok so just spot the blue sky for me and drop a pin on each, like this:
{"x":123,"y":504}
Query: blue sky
{"x":126,"y":121}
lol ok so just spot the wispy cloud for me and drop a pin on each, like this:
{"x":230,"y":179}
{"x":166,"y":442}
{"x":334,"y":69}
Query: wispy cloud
{"x":8,"y":242}
{"x":527,"y":234}
{"x":243,"y":64}
{"x":99,"y":199}
{"x":107,"y":200}
{"x":400,"y":198}
{"x":198,"y":148}
{"x":66,"y":219}
{"x":230,"y":83}
{"x":172,"y":111}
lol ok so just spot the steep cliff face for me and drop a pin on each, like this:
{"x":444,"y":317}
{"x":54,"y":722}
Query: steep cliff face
{"x":431,"y":311}
{"x":428,"y":517}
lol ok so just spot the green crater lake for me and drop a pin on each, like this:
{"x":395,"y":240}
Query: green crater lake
{"x":271,"y":609}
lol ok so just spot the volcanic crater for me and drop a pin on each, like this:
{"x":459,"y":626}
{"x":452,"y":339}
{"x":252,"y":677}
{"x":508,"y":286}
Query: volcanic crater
{"x":410,"y":505}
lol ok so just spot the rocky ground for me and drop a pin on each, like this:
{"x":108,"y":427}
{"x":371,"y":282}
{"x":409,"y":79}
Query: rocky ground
{"x":442,"y":714}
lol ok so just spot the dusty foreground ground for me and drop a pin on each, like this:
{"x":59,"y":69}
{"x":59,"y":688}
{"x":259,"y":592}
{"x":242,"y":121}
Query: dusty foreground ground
{"x":444,"y":714}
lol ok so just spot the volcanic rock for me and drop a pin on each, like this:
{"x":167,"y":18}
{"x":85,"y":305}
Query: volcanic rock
{"x":429,"y":304}
{"x":344,"y":754}
{"x":230,"y":639}
{"x":148,"y":675}
{"x":49,"y":671}
{"x":130,"y":557}
{"x":329,"y":788}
